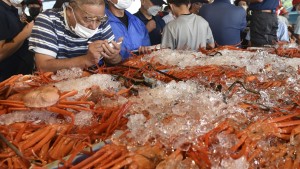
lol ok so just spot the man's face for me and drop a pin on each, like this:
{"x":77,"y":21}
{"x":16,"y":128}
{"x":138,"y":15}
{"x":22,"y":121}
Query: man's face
{"x":89,"y":16}
{"x":146,"y":4}
{"x":243,"y":4}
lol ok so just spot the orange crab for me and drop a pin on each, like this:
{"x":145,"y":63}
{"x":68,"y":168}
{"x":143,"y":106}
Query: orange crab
{"x":48,"y":98}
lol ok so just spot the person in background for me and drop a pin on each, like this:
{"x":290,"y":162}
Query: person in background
{"x":284,"y":15}
{"x":226,"y":26}
{"x":244,"y":4}
{"x":264,"y":22}
{"x":148,"y":15}
{"x":196,"y":5}
{"x":296,"y":32}
{"x":169,"y":17}
{"x":166,"y":10}
{"x":76,"y":35}
{"x":59,"y":3}
{"x":14,"y":55}
{"x":188,"y":30}
{"x":21,"y":12}
{"x":282,"y":31}
{"x":34,"y":8}
{"x":124,"y":24}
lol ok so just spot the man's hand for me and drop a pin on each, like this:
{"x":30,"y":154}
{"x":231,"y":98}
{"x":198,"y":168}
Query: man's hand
{"x":94,"y":53}
{"x":27,"y":29}
{"x":144,"y":50}
{"x":151,"y":25}
{"x":111,"y":54}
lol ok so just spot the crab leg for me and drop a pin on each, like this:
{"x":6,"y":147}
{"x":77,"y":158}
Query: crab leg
{"x":98,"y":154}
{"x":63,"y":112}
{"x":114,"y":162}
{"x":68,"y":94}
{"x":46,"y":139}
{"x":40,"y":134}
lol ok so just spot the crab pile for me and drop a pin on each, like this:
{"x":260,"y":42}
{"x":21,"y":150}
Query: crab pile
{"x":224,"y":108}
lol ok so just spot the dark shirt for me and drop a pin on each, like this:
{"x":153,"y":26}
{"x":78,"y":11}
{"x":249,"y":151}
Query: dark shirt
{"x":20,"y":62}
{"x":227,"y":25}
{"x":124,"y":20}
{"x":265,"y":5}
{"x":155,"y":34}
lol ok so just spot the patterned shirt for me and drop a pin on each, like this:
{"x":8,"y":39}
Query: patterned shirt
{"x":52,"y":36}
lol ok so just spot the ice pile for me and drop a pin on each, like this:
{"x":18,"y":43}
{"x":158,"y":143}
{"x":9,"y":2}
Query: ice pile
{"x":29,"y":116}
{"x":72,"y":73}
{"x":104,"y":81}
{"x":82,"y":118}
{"x":232,"y":164}
{"x":176,"y":113}
{"x":181,"y":58}
{"x":253,"y":61}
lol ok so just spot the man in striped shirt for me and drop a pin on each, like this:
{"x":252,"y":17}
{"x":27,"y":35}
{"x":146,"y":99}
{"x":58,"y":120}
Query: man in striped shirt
{"x":77,"y":35}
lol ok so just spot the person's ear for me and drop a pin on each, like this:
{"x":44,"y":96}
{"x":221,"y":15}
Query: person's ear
{"x":171,"y":7}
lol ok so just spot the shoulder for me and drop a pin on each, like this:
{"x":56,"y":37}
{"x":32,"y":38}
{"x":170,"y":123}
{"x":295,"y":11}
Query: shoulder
{"x":50,"y":15}
{"x":199,"y":19}
{"x":133,"y":18}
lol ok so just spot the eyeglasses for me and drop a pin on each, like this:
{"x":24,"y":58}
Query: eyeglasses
{"x":90,"y":19}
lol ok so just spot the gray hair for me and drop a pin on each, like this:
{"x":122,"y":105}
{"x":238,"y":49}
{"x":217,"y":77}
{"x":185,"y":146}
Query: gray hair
{"x":91,"y":2}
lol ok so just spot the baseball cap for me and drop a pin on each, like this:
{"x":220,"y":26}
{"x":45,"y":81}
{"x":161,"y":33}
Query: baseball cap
{"x":158,"y":2}
{"x":39,"y":2}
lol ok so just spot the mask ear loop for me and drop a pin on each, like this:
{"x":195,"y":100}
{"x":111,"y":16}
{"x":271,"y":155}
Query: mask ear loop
{"x":73,"y":14}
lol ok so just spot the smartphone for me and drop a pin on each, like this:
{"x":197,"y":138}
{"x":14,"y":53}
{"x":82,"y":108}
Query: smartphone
{"x":111,"y":45}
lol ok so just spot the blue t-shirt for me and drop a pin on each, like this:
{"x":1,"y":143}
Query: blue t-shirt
{"x":227,"y":24}
{"x":155,"y":34}
{"x":134,"y":36}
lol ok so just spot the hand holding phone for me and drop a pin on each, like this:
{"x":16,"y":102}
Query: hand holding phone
{"x":111,"y":45}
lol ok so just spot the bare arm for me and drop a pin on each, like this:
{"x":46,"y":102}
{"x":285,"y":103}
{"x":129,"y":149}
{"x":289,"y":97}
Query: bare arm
{"x":8,"y":48}
{"x":95,"y":52}
{"x":46,"y":63}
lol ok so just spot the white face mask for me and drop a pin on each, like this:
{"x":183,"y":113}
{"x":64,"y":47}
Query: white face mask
{"x":153,"y":10}
{"x":81,"y":30}
{"x":20,"y":10}
{"x":123,"y":4}
{"x":16,"y":1}
{"x":245,"y":7}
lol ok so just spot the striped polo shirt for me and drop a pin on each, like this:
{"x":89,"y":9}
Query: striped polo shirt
{"x":51,"y":36}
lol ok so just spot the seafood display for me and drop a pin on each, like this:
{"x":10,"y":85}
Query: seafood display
{"x":220,"y":108}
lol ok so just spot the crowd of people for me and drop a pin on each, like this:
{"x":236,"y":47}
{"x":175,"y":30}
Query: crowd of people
{"x":85,"y":33}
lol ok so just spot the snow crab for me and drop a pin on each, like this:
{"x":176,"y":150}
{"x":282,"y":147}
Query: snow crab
{"x":48,"y":98}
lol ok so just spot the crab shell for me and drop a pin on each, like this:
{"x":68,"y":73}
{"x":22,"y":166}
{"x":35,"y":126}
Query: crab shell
{"x":42,"y":97}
